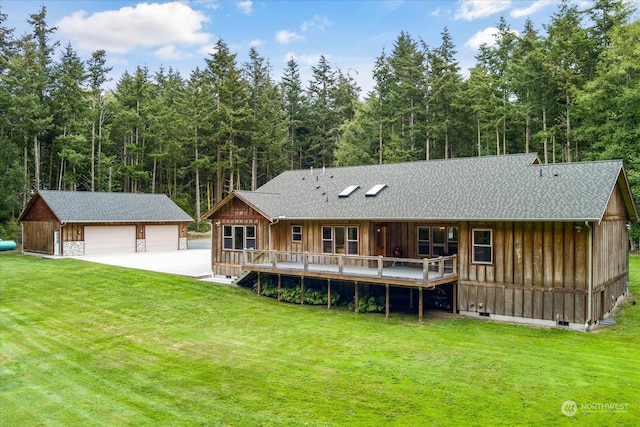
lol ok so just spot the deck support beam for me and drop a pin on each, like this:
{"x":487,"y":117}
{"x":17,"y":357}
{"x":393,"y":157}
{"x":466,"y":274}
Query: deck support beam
{"x":259,"y":283}
{"x":301,"y":289}
{"x":454,"y":309}
{"x":420,"y":304}
{"x":329,"y":293}
{"x":356,"y":297}
{"x":279,"y":287}
{"x":386,"y":301}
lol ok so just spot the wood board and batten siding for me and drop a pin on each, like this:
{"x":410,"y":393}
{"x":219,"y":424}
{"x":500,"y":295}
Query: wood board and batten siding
{"x":539,"y":271}
{"x":610,"y":255}
{"x":235,"y":213}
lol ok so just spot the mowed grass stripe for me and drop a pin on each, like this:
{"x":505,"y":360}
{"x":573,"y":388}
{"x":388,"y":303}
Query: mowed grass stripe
{"x":97,"y":345}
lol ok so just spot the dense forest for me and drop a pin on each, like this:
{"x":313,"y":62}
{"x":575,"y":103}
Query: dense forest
{"x":569,"y":91}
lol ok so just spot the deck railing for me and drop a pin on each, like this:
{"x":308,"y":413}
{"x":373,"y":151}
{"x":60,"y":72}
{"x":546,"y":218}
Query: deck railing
{"x":348,"y":265}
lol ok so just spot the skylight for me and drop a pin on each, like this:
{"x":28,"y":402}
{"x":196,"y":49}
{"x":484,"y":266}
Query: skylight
{"x":375,"y":190}
{"x":347,"y":191}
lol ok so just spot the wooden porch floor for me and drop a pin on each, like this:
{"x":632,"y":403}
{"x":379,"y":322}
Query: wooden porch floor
{"x":405,"y":272}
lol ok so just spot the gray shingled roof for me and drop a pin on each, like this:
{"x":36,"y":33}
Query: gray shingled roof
{"x":507,"y":187}
{"x":84,"y":206}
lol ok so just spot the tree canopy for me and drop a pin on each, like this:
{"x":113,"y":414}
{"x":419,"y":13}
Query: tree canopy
{"x":569,"y":91}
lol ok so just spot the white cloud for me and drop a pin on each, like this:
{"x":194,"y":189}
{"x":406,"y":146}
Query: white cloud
{"x":435,"y":12}
{"x":246,"y":6}
{"x":286,"y":37}
{"x":319,"y":22}
{"x":256,"y":42}
{"x":306,"y":60}
{"x":486,"y":37}
{"x":169,"y":52}
{"x":145,"y":25}
{"x":207,"y":49}
{"x":474,"y":9}
{"x":517,"y":13}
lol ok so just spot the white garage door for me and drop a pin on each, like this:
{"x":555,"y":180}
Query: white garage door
{"x":109,"y":239}
{"x":161,"y":238}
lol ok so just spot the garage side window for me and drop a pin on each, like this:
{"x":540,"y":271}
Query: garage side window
{"x":239,"y":237}
{"x":482,"y":243}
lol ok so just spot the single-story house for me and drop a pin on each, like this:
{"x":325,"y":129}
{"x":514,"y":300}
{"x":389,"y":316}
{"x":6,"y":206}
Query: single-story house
{"x":73,"y":223}
{"x":507,"y":237}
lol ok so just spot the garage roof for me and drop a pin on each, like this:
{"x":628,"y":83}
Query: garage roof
{"x":84,"y":206}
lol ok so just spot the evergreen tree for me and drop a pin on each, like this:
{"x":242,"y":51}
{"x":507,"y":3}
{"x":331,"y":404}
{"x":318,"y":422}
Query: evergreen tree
{"x":229,"y":116}
{"x":294,"y":99}
{"x":70,"y":108}
{"x":97,"y":75}
{"x":323,"y":119}
{"x":444,"y":96}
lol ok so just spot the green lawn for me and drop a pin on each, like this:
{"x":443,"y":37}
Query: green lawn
{"x":85,"y":344}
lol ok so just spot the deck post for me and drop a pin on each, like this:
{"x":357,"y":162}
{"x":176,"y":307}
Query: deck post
{"x":259,"y":283}
{"x":455,"y":298}
{"x":440,"y":266}
{"x":425,"y":269}
{"x":273,"y":256}
{"x":340,"y":263}
{"x":328,"y":293}
{"x":380,"y":265}
{"x":420,"y":305}
{"x":455,"y":264}
{"x":302,"y":290}
{"x":410,"y":297}
{"x":306,"y":261}
{"x":245,"y":257}
{"x":356,"y":297}
{"x":279,"y":286}
{"x":386,"y":301}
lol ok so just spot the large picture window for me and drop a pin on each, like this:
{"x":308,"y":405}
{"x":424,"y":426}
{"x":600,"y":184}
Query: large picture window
{"x":437,"y":241}
{"x":482,"y":243}
{"x":340,"y":240}
{"x":239,"y":237}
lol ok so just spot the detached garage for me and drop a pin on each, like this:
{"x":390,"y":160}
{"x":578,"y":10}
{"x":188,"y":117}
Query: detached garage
{"x":72,"y":223}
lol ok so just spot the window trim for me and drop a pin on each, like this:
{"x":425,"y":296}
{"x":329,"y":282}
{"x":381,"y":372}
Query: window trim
{"x":294,"y":234}
{"x":347,"y":240}
{"x":474,"y":245}
{"x":446,"y":246}
{"x":427,"y":242}
{"x":232,"y":237}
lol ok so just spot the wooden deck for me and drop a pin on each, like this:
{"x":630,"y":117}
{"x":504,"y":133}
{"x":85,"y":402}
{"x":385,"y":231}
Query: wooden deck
{"x":406,"y":272}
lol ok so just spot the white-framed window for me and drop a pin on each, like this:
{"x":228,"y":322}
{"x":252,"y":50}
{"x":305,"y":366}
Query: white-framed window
{"x":238,"y":237}
{"x":482,"y":245}
{"x":296,"y":233}
{"x":340,"y":240}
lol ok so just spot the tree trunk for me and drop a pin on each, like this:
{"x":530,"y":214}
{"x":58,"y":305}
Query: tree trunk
{"x":196,"y":154}
{"x":36,"y":161}
{"x":546,"y":138}
{"x":93,"y":155}
{"x":380,"y":143}
{"x":478,"y":127}
{"x":254,"y":169}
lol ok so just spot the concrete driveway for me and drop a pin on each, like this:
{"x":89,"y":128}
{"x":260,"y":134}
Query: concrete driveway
{"x":194,"y":263}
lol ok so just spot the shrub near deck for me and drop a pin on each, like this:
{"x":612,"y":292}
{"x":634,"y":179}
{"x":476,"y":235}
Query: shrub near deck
{"x":86,"y":344}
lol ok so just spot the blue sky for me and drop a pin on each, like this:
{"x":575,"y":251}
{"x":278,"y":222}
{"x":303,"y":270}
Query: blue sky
{"x":351,"y":34}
